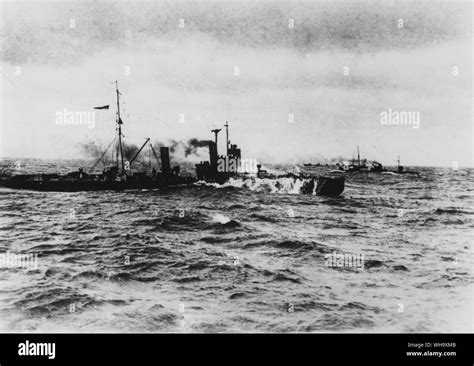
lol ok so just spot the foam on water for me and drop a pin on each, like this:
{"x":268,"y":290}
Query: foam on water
{"x":222,"y":219}
{"x":268,"y":185}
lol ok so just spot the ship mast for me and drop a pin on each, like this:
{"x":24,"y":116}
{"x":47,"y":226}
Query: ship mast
{"x":398,"y":160}
{"x":119,"y":123}
{"x":358,"y":156}
{"x":227,"y":137}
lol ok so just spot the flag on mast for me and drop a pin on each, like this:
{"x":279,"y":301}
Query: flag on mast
{"x":103,"y":107}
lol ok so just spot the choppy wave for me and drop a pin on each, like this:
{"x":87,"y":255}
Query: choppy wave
{"x":249,"y":255}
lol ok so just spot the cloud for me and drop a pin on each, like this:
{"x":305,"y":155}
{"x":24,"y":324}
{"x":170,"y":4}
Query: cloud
{"x":42,"y":33}
{"x":191,"y":72}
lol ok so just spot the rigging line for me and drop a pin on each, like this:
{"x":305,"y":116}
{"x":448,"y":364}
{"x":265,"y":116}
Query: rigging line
{"x":103,"y":154}
{"x":155,"y":154}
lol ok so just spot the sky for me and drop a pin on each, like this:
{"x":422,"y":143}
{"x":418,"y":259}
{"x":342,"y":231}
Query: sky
{"x":297,"y":81}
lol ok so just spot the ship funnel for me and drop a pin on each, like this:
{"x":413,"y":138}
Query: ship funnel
{"x":165,"y":159}
{"x":213,"y":155}
{"x":216,"y":132}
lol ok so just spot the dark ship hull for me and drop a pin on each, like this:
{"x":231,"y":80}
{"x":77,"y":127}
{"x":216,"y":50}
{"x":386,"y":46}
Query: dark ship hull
{"x":65,"y":184}
{"x":325,"y":186}
{"x":319,"y":185}
{"x":330,"y":186}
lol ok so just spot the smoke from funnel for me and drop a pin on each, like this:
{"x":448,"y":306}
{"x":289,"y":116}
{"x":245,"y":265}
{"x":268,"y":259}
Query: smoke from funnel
{"x":194,"y":144}
{"x":91,"y":150}
{"x":179,"y":150}
{"x":94,"y":151}
{"x":129,"y":151}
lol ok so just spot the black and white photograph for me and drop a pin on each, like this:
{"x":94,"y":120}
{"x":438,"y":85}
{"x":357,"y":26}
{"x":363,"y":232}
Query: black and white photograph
{"x":277,"y":167}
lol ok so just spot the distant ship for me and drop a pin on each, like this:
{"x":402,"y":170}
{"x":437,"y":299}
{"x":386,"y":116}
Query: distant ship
{"x":361,"y":165}
{"x":121,"y":177}
{"x":401,"y":169}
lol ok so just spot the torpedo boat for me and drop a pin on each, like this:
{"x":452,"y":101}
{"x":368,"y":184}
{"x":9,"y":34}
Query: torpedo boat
{"x":116,"y":177}
{"x":212,"y":172}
